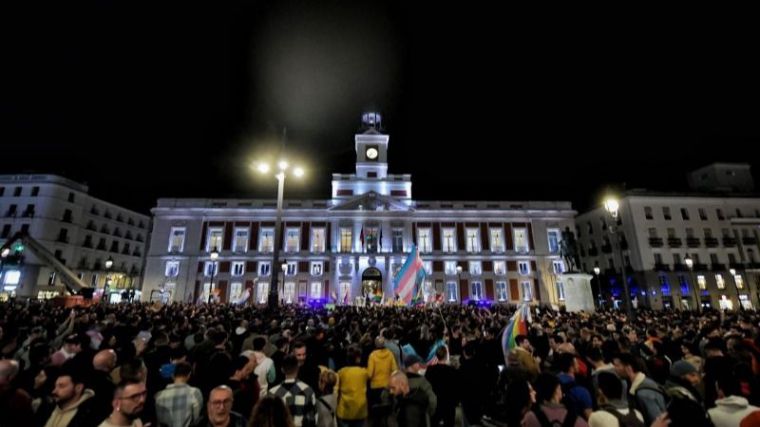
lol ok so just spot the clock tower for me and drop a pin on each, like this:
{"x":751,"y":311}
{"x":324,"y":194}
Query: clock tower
{"x":371,"y":148}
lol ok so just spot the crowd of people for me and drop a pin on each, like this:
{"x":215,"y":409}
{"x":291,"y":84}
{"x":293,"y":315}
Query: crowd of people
{"x":134,"y":364}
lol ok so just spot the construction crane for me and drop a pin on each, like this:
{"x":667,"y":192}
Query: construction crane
{"x":12,"y":252}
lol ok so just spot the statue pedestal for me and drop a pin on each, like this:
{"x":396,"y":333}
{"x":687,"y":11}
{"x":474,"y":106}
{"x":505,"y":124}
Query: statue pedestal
{"x":578,"y":295}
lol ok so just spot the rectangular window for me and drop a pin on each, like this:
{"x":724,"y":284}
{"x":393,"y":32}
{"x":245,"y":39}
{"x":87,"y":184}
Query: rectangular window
{"x":497,"y":240}
{"x":177,"y":240}
{"x":315,"y":291}
{"x":473,"y":240}
{"x":262,"y":291}
{"x":560,"y":291}
{"x":236,"y":292}
{"x":684,"y":214}
{"x":451,"y":291}
{"x":527,"y":291}
{"x":590,"y":228}
{"x":671,"y":233}
{"x":521,"y":240}
{"x":211,"y":268}
{"x":450,"y":267}
{"x":648,"y":212}
{"x":558,"y":266}
{"x":501,"y":291}
{"x":476,"y":292}
{"x":172,"y":269}
{"x":398,"y":240}
{"x":240,"y":243}
{"x":214,"y":239}
{"x":345,"y":292}
{"x":17,"y":192}
{"x":238,"y":269}
{"x":653,"y":232}
{"x":476,"y":268}
{"x":264,"y":268}
{"x":689,"y":233}
{"x":266,"y":240}
{"x":714,"y":259}
{"x":292,"y":239}
{"x":499,"y":267}
{"x":291,"y":269}
{"x":424,"y":239}
{"x":719,"y":281}
{"x":428,"y":266}
{"x":701,"y":282}
{"x":719,"y":214}
{"x":666,"y":213}
{"x":702,"y":214}
{"x":708,"y":233}
{"x":289,"y":292}
{"x":676,"y":259}
{"x":346,"y":245}
{"x":523,"y":267}
{"x":554,"y":239}
{"x":658,"y":259}
{"x":318,"y":240}
{"x":739,"y":281}
{"x":371,"y":239}
{"x":35,"y":191}
{"x":449,"y":240}
{"x":316,"y":268}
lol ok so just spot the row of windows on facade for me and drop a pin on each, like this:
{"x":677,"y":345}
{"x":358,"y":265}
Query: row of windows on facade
{"x":475,"y":268}
{"x":683,"y":281}
{"x":692,"y":239}
{"x":17,"y":192}
{"x":714,"y":258}
{"x":372,"y":240}
{"x":702,"y":213}
{"x":63,"y":237}
{"x":290,"y":293}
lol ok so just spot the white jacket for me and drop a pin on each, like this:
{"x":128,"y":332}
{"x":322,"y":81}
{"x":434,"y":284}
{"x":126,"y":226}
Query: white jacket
{"x":731,"y":411}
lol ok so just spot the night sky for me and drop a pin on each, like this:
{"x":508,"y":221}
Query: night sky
{"x":142,"y":101}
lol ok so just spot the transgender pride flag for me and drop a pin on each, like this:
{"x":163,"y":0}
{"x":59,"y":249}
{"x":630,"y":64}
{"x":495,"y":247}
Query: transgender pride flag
{"x":410,"y":274}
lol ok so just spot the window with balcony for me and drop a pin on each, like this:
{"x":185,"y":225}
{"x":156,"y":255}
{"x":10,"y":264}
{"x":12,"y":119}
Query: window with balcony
{"x":554,"y":239}
{"x":560,"y":290}
{"x":346,"y":243}
{"x":501,"y":291}
{"x":240,"y":241}
{"x":176,"y":240}
{"x":702,"y":214}
{"x":398,"y":240}
{"x":527,"y":291}
{"x":684,"y":214}
{"x":521,"y":240}
{"x":499,"y":268}
{"x":266,"y":240}
{"x":497,"y":239}
{"x":719,"y":214}
{"x":450,"y":267}
{"x":316,"y":290}
{"x":449,"y":240}
{"x":648,"y":212}
{"x":476,"y":291}
{"x":428,"y":267}
{"x":476,"y":268}
{"x":657,"y":259}
{"x":523,"y":267}
{"x":264,"y":268}
{"x":262,"y":291}
{"x":558,"y":266}
{"x":719,"y":282}
{"x":739,"y":281}
{"x":172,"y":269}
{"x":473,"y":240}
{"x":345,"y":291}
{"x":214,"y":239}
{"x":424,"y":239}
{"x":289,"y":292}
{"x":238,"y":268}
{"x":318,"y":240}
{"x":292,"y":239}
{"x":666,"y":213}
{"x":291,"y":269}
{"x":211,"y":268}
{"x":316,"y":268}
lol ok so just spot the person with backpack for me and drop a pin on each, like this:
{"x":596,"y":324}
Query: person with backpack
{"x":574,"y":395}
{"x":645,"y":395}
{"x":684,"y":401}
{"x":549,"y":410}
{"x":613,"y":410}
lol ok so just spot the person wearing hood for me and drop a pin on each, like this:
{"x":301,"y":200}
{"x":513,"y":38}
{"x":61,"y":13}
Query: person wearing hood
{"x":380,"y":365}
{"x":732,"y":410}
{"x":72,"y":403}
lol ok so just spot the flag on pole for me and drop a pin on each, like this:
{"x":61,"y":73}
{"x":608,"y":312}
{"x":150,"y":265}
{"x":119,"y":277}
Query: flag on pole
{"x":517,"y":325}
{"x":419,"y":299}
{"x":411,"y":273}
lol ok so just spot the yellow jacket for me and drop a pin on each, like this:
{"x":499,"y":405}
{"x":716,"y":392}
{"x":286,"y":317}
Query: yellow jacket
{"x":381,"y":365}
{"x":352,"y":393}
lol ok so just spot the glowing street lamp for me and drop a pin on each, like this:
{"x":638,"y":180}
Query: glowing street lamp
{"x":612,"y":206}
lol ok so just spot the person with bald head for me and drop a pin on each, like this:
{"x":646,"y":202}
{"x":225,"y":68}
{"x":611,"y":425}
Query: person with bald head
{"x":15,"y":404}
{"x":100,"y":382}
{"x":219,"y":410}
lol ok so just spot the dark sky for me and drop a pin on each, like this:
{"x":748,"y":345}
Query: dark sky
{"x":149,"y":100}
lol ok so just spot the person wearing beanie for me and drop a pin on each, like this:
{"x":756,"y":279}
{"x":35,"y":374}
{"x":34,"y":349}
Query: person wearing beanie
{"x":380,"y":365}
{"x":685,"y":407}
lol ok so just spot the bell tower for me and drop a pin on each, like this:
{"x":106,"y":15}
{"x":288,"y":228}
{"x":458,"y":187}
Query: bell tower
{"x":371,"y":148}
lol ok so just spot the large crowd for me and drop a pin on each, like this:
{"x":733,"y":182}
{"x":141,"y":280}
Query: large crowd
{"x":219,"y":365}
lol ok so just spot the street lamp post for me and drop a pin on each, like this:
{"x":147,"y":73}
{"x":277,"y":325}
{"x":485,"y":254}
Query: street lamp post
{"x":107,"y":285}
{"x":214,"y":255}
{"x":284,"y":268}
{"x":690,"y":265}
{"x":273,"y":297}
{"x":612,"y":206}
{"x":597,"y":270}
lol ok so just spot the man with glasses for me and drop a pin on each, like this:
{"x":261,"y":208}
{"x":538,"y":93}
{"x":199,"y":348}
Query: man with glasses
{"x":219,"y":410}
{"x":128,"y":403}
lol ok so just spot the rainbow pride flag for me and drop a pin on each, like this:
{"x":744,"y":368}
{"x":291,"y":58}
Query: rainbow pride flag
{"x":517,"y":325}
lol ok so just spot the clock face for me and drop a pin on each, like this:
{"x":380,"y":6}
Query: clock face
{"x":371,"y":153}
